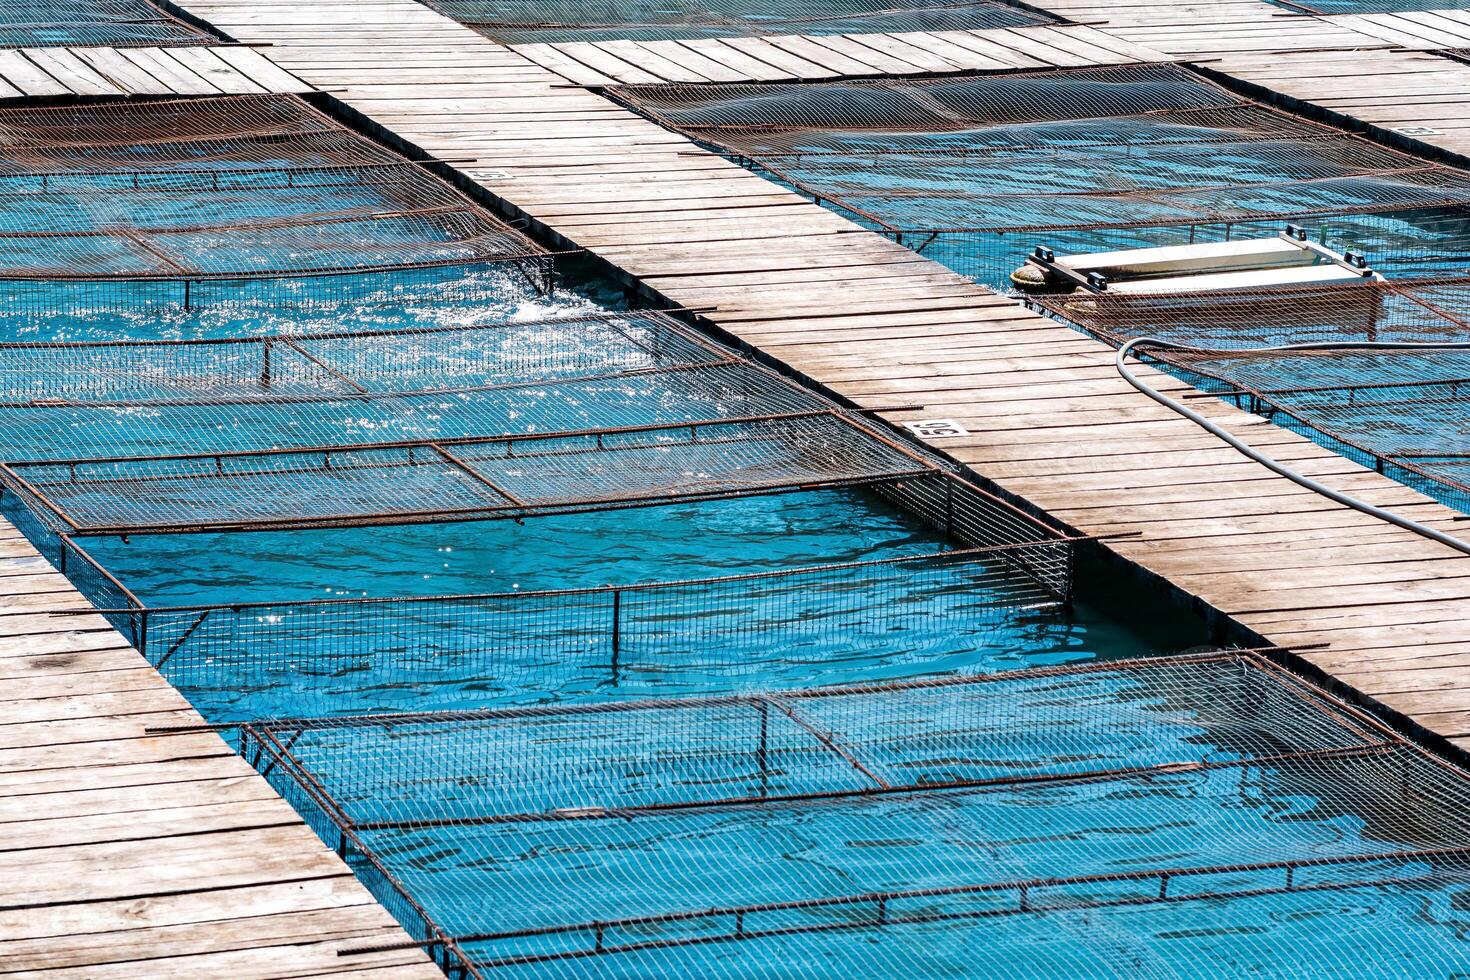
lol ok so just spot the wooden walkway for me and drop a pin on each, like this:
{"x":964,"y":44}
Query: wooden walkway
{"x":768,"y":59}
{"x":1049,"y":420}
{"x":1202,"y":29}
{"x":130,"y":854}
{"x":125,"y":854}
{"x":1427,"y":30}
{"x":1416,"y":94}
{"x":225,"y":70}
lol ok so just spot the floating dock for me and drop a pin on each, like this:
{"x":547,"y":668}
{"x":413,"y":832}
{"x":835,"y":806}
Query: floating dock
{"x":130,"y":851}
{"x":1048,"y":419}
{"x":160,"y":848}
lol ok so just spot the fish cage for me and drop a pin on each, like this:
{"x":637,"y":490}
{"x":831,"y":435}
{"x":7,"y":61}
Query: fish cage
{"x":975,"y":170}
{"x":350,"y":364}
{"x":998,"y":563}
{"x":852,"y":823}
{"x":602,"y":435}
{"x":465,"y":286}
{"x":466,"y":478}
{"x":576,"y":405}
{"x":399,"y":388}
{"x":521,"y":22}
{"x":230,"y":187}
{"x":1401,"y":411}
{"x":85,"y":23}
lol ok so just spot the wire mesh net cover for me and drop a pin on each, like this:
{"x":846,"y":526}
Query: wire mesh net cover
{"x":954,"y":824}
{"x":114,"y":23}
{"x":343,"y":365}
{"x":1094,"y":159}
{"x":583,"y":374}
{"x":520,"y":22}
{"x":1404,"y":410}
{"x":662,"y":398}
{"x":219,"y":187}
{"x":510,"y":476}
{"x":921,"y":603}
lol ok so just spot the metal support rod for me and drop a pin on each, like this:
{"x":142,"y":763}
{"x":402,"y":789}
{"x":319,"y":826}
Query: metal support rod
{"x":763,"y":746}
{"x":1022,"y":888}
{"x":617,"y":631}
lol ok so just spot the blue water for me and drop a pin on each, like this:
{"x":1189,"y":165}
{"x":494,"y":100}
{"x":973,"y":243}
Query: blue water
{"x":1216,"y":841}
{"x":291,"y":658}
{"x":231,"y":186}
{"x":70,"y":432}
{"x":561,"y":21}
{"x":1084,"y":161}
{"x":44,"y":23}
{"x":933,"y":617}
{"x":452,"y":296}
{"x":1125,"y":180}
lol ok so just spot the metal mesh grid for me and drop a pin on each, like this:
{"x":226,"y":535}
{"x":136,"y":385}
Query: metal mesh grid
{"x":520,"y":22}
{"x":952,"y":166}
{"x":1401,"y":410}
{"x":280,"y":368}
{"x":722,"y":822}
{"x":467,"y":478}
{"x":668,"y":397}
{"x":230,"y":186}
{"x":485,"y":285}
{"x":114,"y":23}
{"x":586,"y":374}
{"x":328,"y":652}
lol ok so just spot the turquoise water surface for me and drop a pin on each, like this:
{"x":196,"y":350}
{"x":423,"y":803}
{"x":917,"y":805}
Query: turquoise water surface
{"x":272,"y":624}
{"x":289,"y":656}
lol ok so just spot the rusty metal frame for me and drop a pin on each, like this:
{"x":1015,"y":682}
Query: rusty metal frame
{"x":197,"y":38}
{"x":270,"y":750}
{"x":1045,"y":561}
{"x":519,"y":249}
{"x":1260,"y":401}
{"x":717,"y":357}
{"x":1266,"y":401}
{"x":769,"y":162}
{"x":11,"y":473}
{"x":881,"y":917}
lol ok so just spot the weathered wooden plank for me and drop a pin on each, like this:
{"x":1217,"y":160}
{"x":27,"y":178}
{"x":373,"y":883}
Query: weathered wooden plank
{"x":123,"y":73}
{"x":204,"y":63}
{"x":72,"y":71}
{"x":550,"y":58}
{"x":605,"y":62}
{"x":127,"y":854}
{"x":26,"y":76}
{"x":180,"y":80}
{"x":876,"y":60}
{"x":753,"y":68}
{"x":260,"y":70}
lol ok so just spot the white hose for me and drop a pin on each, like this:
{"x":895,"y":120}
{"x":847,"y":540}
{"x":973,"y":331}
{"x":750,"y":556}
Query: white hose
{"x":1239,"y":446}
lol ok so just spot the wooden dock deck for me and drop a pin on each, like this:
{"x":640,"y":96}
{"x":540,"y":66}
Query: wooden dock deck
{"x":1049,"y":420}
{"x":130,"y":854}
{"x":101,"y":72}
{"x":133,"y":854}
{"x":767,"y":59}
